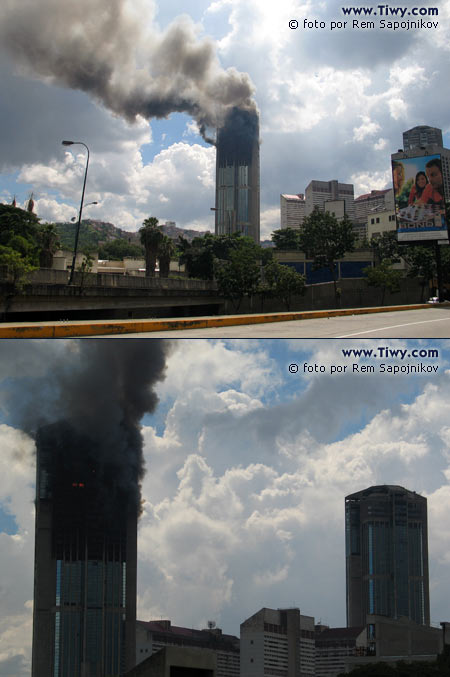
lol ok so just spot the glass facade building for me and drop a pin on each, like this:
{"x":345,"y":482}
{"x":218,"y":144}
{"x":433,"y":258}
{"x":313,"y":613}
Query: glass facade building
{"x":386,"y":555}
{"x":85,"y":564}
{"x":237,"y":175}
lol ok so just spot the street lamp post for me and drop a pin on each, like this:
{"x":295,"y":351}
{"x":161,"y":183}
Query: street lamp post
{"x":77,"y":232}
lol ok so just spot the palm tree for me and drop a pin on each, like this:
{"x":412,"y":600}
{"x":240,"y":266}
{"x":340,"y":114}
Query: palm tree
{"x":151,"y":237}
{"x":165,"y":252}
{"x":49,"y":241}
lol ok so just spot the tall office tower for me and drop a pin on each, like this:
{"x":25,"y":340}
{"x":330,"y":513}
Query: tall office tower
{"x":386,"y":555}
{"x":422,"y":136}
{"x":85,"y":560}
{"x":292,"y":209}
{"x":278,"y":642}
{"x":327,"y":194}
{"x":237,"y":174}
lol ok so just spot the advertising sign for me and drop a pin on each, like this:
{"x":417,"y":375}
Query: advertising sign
{"x":419,"y":199}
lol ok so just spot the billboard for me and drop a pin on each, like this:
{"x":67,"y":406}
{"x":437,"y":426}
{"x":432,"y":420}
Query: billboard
{"x":419,"y":198}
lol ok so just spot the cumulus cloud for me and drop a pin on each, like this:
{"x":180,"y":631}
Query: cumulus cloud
{"x":337,"y":100}
{"x":273,"y":518}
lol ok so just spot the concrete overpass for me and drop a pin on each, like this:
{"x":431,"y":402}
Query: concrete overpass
{"x":100,"y":295}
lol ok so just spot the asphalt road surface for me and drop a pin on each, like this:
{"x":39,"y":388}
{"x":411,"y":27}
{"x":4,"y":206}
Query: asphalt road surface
{"x":426,"y":323}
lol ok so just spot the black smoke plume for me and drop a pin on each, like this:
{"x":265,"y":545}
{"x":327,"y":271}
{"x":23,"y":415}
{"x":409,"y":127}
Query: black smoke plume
{"x":107,"y":49}
{"x":92,"y":435}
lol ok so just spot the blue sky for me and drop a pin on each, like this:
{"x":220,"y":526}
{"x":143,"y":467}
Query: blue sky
{"x":333,"y":105}
{"x":247,"y":466}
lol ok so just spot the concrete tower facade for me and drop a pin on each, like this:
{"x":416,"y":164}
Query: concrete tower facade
{"x":386,"y":555}
{"x":422,"y":136}
{"x":237,"y":175}
{"x":85,"y":563}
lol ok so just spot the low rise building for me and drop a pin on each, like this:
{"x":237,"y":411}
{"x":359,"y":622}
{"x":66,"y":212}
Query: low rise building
{"x":334,"y":645}
{"x":152,"y":636}
{"x":278,"y":642}
{"x":381,"y":222}
{"x":390,"y":640}
{"x":174,"y":661}
{"x":292,"y":208}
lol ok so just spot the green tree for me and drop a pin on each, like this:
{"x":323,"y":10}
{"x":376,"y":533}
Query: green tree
{"x":19,"y":231}
{"x":283,"y":282}
{"x":166,"y":251}
{"x":325,"y":239}
{"x":151,"y":237}
{"x":421,"y":264}
{"x":49,"y":242}
{"x":385,"y":246}
{"x":286,"y":238}
{"x":239,"y":275}
{"x":199,"y":255}
{"x":84,"y":269}
{"x":384,"y":277}
{"x":14,"y":274}
{"x":118,"y":249}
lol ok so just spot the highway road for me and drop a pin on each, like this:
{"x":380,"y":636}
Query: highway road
{"x":425,"y":323}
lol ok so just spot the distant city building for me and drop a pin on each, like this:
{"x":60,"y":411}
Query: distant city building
{"x":277,"y":642}
{"x":292,"y":209}
{"x":386,"y":555}
{"x":422,"y":136}
{"x":175,"y":661}
{"x":390,"y":641}
{"x":318,"y":193}
{"x":375,"y":201}
{"x":152,"y":636}
{"x":334,"y":645}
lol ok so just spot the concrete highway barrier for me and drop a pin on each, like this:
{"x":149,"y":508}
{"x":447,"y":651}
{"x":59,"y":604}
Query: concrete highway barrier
{"x":86,"y":328}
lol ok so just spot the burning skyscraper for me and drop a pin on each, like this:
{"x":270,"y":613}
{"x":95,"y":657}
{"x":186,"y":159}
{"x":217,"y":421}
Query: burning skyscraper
{"x":89,"y":467}
{"x":237,"y":174}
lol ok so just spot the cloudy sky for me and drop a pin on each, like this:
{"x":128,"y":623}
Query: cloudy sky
{"x":333,"y":104}
{"x":247,"y":466}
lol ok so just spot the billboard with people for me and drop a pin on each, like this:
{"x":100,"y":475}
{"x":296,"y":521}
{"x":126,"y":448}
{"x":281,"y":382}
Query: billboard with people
{"x":419,"y":198}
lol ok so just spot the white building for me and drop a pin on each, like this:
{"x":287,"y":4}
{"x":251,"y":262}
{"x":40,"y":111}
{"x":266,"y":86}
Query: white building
{"x":278,"y":642}
{"x":375,"y":201}
{"x":318,"y":193}
{"x":379,"y":223}
{"x":292,"y":209}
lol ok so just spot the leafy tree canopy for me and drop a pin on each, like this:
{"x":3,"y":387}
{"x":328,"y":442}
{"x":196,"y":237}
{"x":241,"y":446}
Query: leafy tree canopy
{"x":286,"y":238}
{"x":385,"y":246}
{"x":384,"y":277}
{"x":239,"y":274}
{"x":326,"y":239}
{"x":283,"y":282}
{"x":118,"y":249}
{"x":19,"y":232}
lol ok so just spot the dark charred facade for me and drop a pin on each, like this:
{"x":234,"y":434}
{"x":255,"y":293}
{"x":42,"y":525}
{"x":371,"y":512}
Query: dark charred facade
{"x":386,"y":555}
{"x":237,"y":174}
{"x":85,"y":561}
